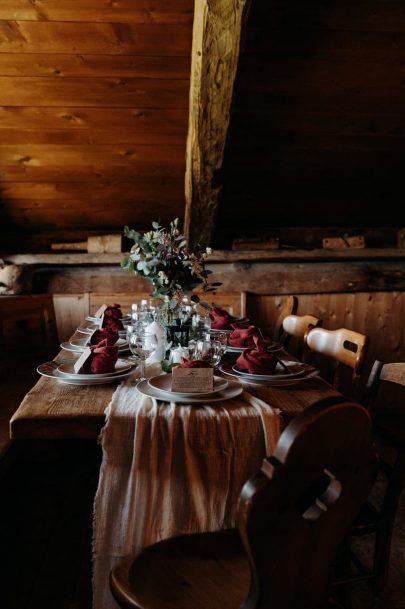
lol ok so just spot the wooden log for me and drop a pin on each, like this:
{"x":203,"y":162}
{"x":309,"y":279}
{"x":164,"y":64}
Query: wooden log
{"x":215,"y":52}
{"x":343,"y":242}
{"x":255,"y":244}
{"x":97,"y":244}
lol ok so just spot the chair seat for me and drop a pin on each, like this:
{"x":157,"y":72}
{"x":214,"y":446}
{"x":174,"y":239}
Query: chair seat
{"x":207,"y":571}
{"x":392,"y":428}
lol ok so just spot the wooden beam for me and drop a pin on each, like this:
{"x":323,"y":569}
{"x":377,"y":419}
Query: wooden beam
{"x":215,"y":51}
{"x":317,"y":255}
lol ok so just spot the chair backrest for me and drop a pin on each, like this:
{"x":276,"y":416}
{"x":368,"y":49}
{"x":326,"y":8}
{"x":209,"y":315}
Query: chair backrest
{"x":289,"y":307}
{"x":295,"y":511}
{"x":347,"y":348}
{"x":385,"y":388}
{"x":27,"y":325}
{"x":297,"y":327}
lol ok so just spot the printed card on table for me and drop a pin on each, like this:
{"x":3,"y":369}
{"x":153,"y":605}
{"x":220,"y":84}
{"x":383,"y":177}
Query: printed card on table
{"x":190,"y":380}
{"x":78,"y":365}
{"x":100,"y":312}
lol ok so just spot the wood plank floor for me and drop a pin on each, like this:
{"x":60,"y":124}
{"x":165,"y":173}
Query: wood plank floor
{"x":45,"y":525}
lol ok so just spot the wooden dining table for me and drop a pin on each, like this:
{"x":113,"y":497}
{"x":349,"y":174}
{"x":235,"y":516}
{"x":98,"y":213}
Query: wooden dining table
{"x":54,"y":410}
{"x":167,"y":468}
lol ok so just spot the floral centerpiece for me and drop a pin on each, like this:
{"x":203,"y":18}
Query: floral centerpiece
{"x":163,"y":257}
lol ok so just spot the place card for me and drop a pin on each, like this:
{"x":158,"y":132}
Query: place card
{"x":78,"y":365}
{"x":192,"y":380}
{"x":100,"y":312}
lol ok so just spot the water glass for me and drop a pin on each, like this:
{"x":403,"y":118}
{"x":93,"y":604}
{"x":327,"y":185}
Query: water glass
{"x":200,"y":324}
{"x":142,"y":345}
{"x":209,"y":350}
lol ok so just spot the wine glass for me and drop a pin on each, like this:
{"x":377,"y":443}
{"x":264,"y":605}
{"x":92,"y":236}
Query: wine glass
{"x":131,"y":329}
{"x":142,"y":345}
{"x":208,"y":350}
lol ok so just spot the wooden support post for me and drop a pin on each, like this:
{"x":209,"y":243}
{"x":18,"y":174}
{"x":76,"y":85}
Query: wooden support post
{"x":215,"y":51}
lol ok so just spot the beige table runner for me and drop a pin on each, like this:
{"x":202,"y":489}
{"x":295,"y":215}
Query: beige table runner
{"x":170,"y":469}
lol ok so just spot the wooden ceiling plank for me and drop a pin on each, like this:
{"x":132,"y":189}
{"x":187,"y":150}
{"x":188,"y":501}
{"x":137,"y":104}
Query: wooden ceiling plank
{"x":215,"y":51}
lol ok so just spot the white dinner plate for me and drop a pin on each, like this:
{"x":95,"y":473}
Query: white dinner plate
{"x":84,"y":342}
{"x":296,"y":369}
{"x":121,"y":366}
{"x":164,"y":383}
{"x":88,"y":329}
{"x":50,"y":369}
{"x":271,"y":347}
{"x":234,"y":389}
{"x":81,"y":343}
{"x":69,"y":347}
{"x":230,"y":349}
{"x":97,"y":320}
{"x":78,"y":345}
{"x":276,"y":381}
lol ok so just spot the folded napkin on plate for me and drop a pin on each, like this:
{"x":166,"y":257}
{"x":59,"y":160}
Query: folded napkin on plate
{"x":243,"y":337}
{"x":112,"y":319}
{"x":102,"y":359}
{"x":109,"y":334}
{"x":194,"y":363}
{"x":221,"y":320}
{"x":115,"y":309}
{"x":256,"y":360}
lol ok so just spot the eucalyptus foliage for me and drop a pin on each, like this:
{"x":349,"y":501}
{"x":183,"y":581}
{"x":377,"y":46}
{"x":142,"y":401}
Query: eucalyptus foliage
{"x":163,"y":257}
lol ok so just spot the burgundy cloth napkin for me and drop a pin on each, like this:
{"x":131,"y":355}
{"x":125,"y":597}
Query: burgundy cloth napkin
{"x":110,"y":335}
{"x":243,"y":337}
{"x":194,"y":363}
{"x":115,"y":310}
{"x":257,"y":360}
{"x":112,"y":318}
{"x":102,"y":359}
{"x":221,"y":320}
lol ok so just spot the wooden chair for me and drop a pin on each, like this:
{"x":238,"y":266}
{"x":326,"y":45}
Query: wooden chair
{"x":27,"y":337}
{"x":385,"y":396}
{"x":347,"y":351}
{"x":29,"y":322}
{"x":297,"y":328}
{"x":289,"y":307}
{"x":291,"y":516}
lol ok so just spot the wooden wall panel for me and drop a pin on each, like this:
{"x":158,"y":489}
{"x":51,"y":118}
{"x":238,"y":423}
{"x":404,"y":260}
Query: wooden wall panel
{"x":70,"y":311}
{"x":124,"y":11}
{"x":52,"y":64}
{"x":105,"y":38}
{"x":120,"y":92}
{"x":377,"y":314}
{"x":318,"y":123}
{"x":93,"y":115}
